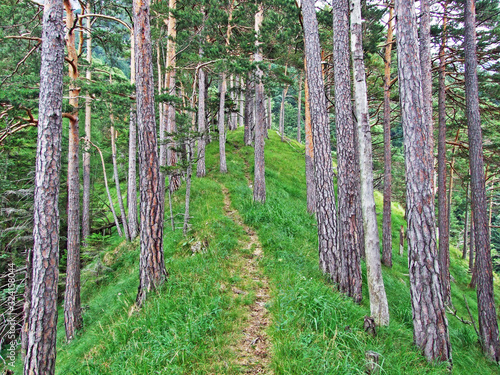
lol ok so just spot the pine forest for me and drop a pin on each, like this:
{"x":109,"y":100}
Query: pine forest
{"x":249,"y":187}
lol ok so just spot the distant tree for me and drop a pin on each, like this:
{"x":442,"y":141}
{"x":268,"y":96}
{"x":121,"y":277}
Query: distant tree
{"x":430,"y":325}
{"x":42,"y":324}
{"x":152,"y":264}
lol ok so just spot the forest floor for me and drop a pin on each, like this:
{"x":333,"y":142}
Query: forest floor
{"x":245,"y":293}
{"x":253,"y":349}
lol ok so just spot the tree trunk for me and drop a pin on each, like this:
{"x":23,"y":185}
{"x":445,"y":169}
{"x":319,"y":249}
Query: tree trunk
{"x":152,"y":265}
{"x":282,"y":110}
{"x":117,"y":183}
{"x":349,"y":236}
{"x":110,"y":200}
{"x":42,"y":323}
{"x":426,"y":70}
{"x":242,"y":104}
{"x":133,"y":222}
{"x":234,"y":114}
{"x":299,"y":109}
{"x":488,"y":326}
{"x":466,"y":224}
{"x":444,"y":231}
{"x":326,"y":213}
{"x":200,"y":169}
{"x":72,"y":309}
{"x":310,"y":183}
{"x":430,"y":329}
{"x":86,"y":153}
{"x":387,"y":220}
{"x":171,"y":126}
{"x":259,"y":182}
{"x":221,"y":125}
{"x":401,"y":240}
{"x":378,"y":300}
{"x":249,"y":104}
{"x":189,"y":153}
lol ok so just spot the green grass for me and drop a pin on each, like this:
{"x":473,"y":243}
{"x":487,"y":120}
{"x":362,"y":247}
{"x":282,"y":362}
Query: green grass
{"x":191,"y":323}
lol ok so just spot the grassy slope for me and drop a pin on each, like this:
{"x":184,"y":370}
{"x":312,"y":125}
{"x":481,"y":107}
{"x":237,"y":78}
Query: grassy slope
{"x":188,"y":327}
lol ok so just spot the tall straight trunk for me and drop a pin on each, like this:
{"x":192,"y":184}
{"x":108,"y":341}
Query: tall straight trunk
{"x":259,"y":182}
{"x":242,"y":104}
{"x":133,"y":222}
{"x":171,"y":125}
{"x":88,"y":124}
{"x":117,"y":184}
{"x":430,"y":325}
{"x":349,"y":236}
{"x":466,"y":223}
{"x":378,"y":300}
{"x":249,"y":104}
{"x":200,"y":169}
{"x":443,"y":217}
{"x":42,"y":323}
{"x":488,"y":325}
{"x":189,"y":171}
{"x":72,"y":309}
{"x":299,"y":109}
{"x":221,"y":125}
{"x":387,"y":220}
{"x":282,"y":110}
{"x":426,"y":70}
{"x":282,"y":114}
{"x":310,"y":182}
{"x":472,"y":245}
{"x":234,"y":114}
{"x":326,"y":213}
{"x":152,"y":265}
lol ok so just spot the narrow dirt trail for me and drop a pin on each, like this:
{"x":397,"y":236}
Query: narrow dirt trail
{"x":253,"y":353}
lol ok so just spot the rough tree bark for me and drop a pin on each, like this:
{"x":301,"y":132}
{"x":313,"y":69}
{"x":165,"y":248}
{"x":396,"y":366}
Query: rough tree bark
{"x":259,"y":182}
{"x":42,"y":324}
{"x":242,"y":104}
{"x":349,"y":236}
{"x":387,"y":220}
{"x":72,"y":309}
{"x":378,"y":300}
{"x":426,"y":69}
{"x":430,"y":325}
{"x":488,"y":325}
{"x":152,"y":265}
{"x":326,"y":213}
{"x":310,"y":183}
{"x":443,"y":223}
